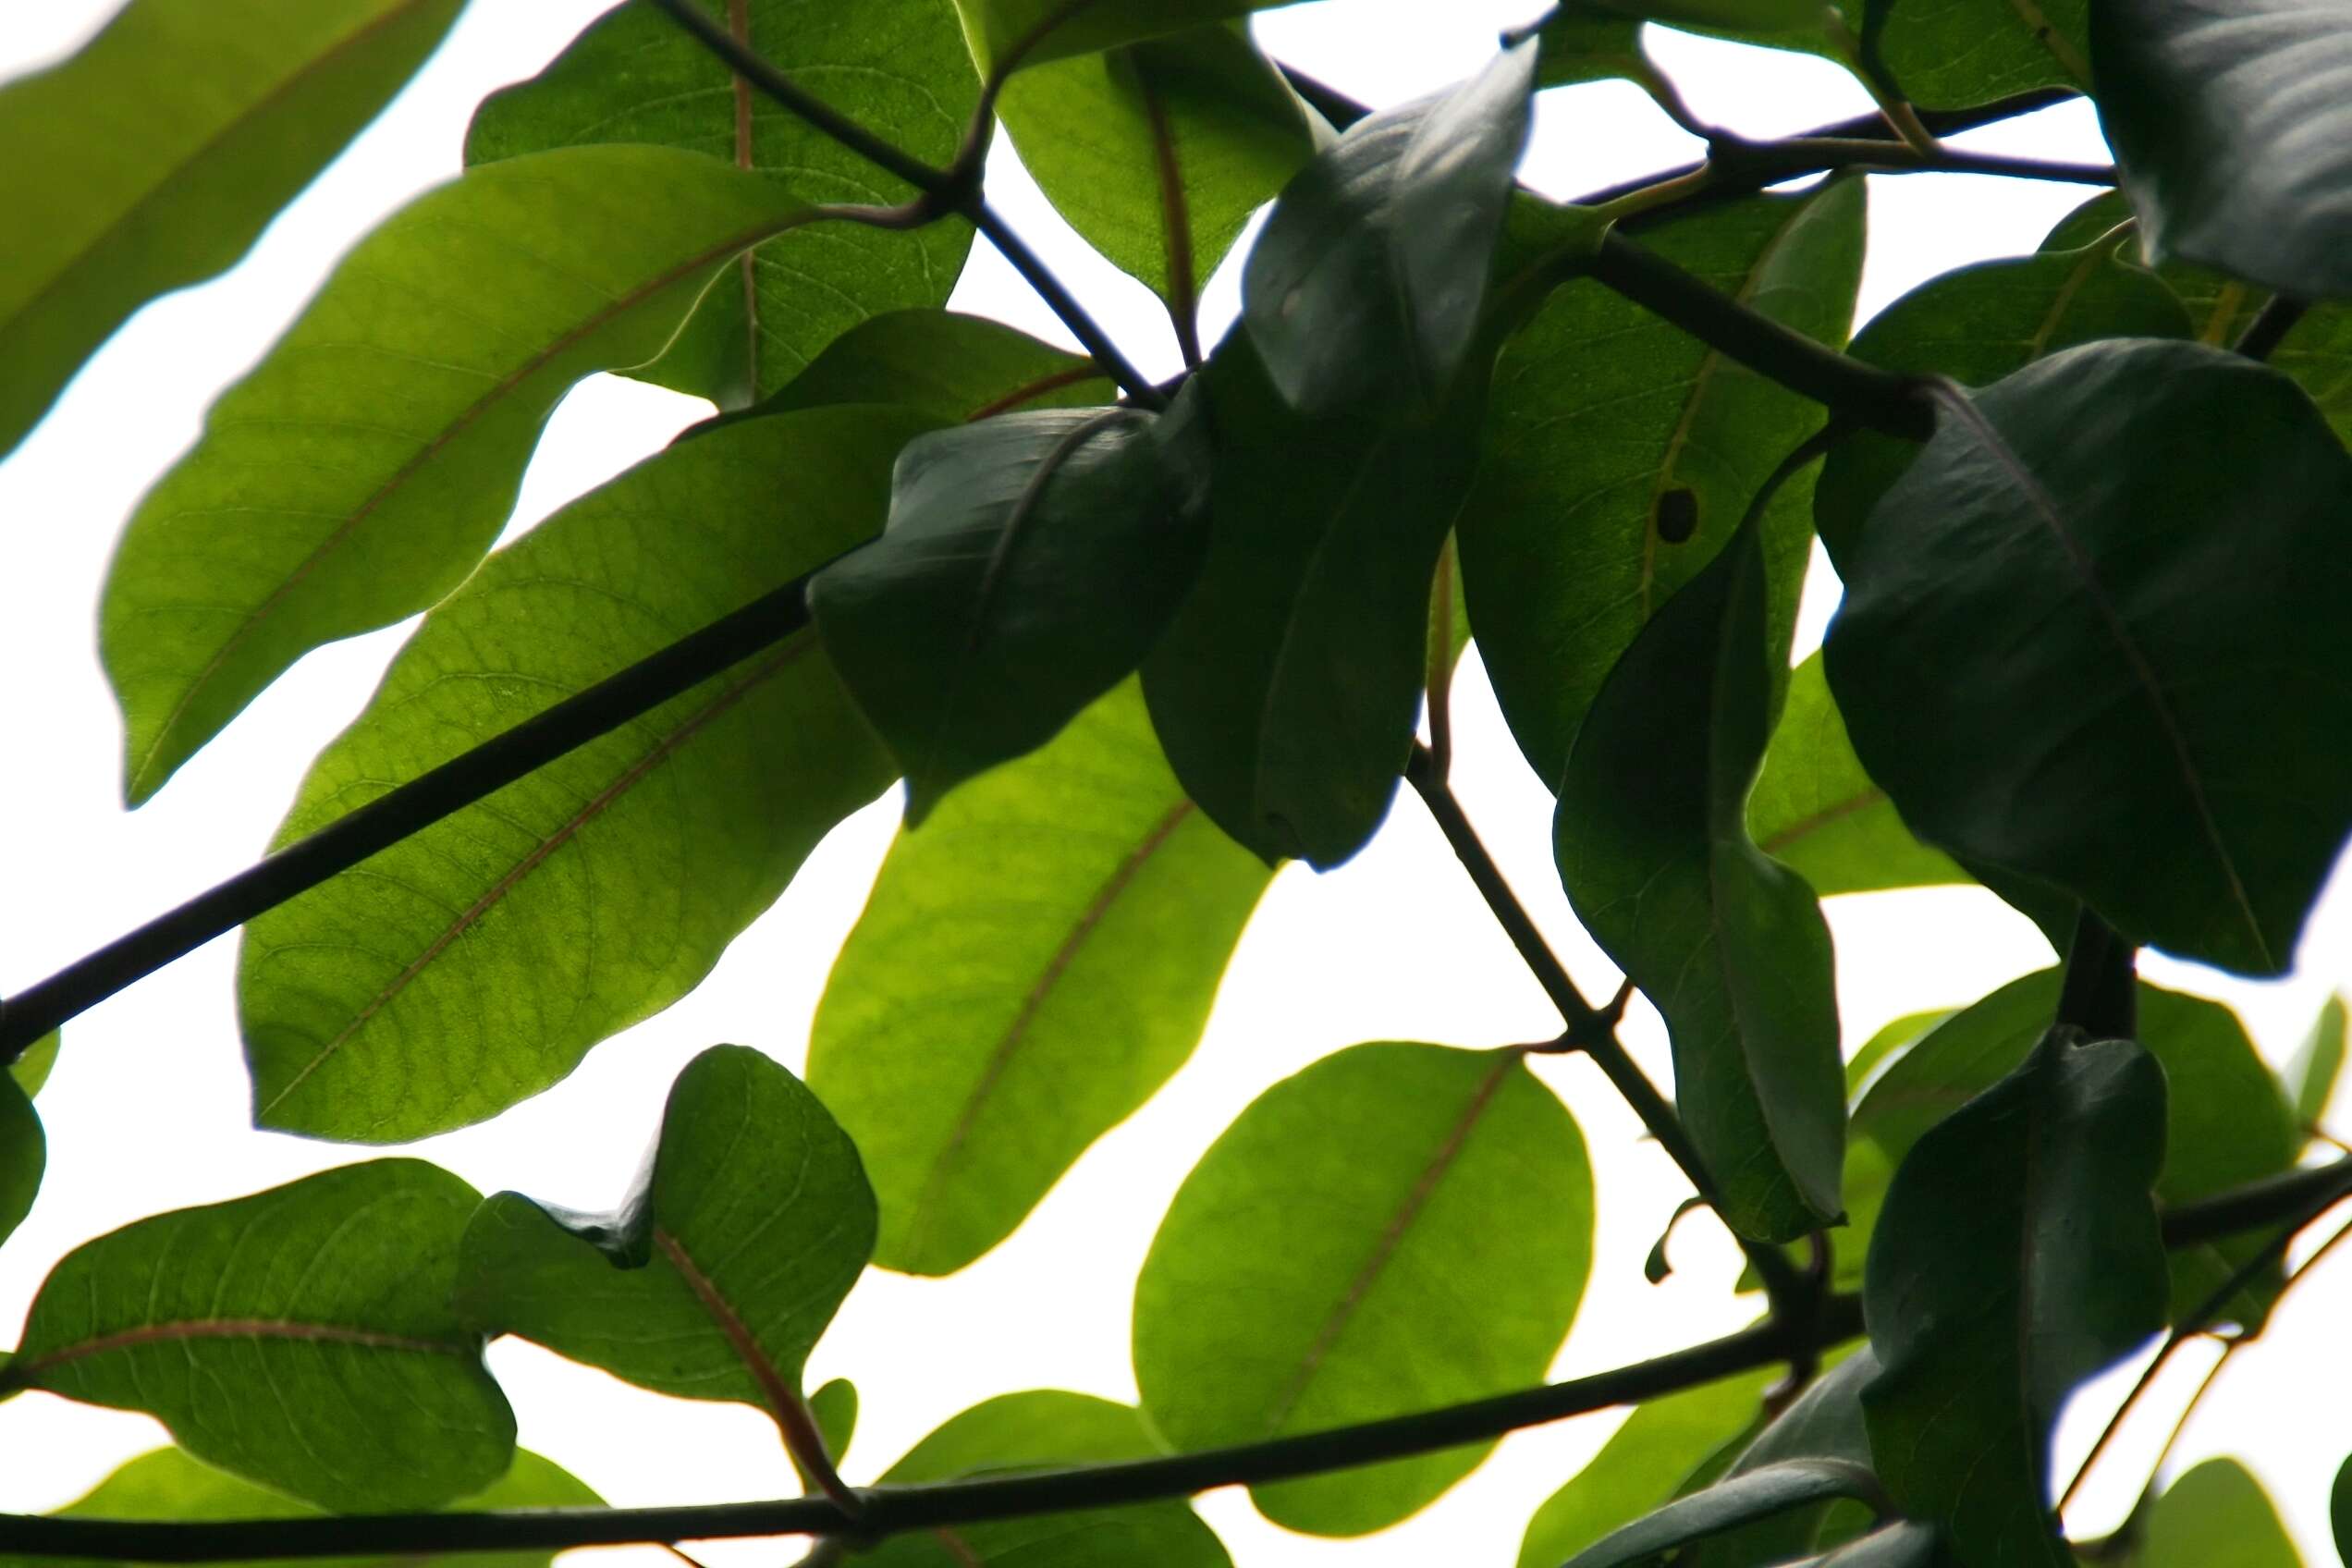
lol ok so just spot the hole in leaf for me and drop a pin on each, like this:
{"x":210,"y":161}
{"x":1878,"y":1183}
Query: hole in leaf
{"x":1677,"y":516}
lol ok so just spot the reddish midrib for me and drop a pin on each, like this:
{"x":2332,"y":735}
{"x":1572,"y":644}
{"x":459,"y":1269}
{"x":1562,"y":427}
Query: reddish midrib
{"x":24,"y":1369}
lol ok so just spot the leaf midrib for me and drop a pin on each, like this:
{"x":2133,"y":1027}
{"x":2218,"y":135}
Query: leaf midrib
{"x":25,"y":1369}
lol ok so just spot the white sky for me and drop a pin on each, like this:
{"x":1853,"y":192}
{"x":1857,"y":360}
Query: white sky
{"x":148,"y":1108}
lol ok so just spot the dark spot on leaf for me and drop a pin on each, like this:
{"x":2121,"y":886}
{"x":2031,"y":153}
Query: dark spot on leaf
{"x":1677,"y":517}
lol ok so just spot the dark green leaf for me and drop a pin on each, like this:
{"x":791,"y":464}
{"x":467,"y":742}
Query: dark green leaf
{"x":750,"y":1223}
{"x":2043,"y":651}
{"x":1728,"y":1504}
{"x":1286,"y":688}
{"x":2234,"y":132}
{"x":1335,"y":1257}
{"x":24,"y":1154}
{"x":1729,"y":945}
{"x":1951,"y":54}
{"x":1900,"y":1545}
{"x":1363,"y":292}
{"x":974,"y":1045}
{"x":1159,"y":153}
{"x":1739,"y":15}
{"x":153,"y":157}
{"x":2340,"y":1510}
{"x":168,"y":1484}
{"x":1581,"y":43}
{"x":1030,"y":563}
{"x":2017,"y":1256}
{"x":1976,"y":326}
{"x":1815,"y":810}
{"x":954,"y":368}
{"x":1055,"y":30}
{"x":301,"y":1338}
{"x":373,"y":455}
{"x":2215,"y":1515}
{"x":1045,"y":1429}
{"x":1825,"y":1422}
{"x":2311,"y":1076}
{"x":1642,"y":1465}
{"x":1621,"y":453}
{"x":31,"y":1069}
{"x":476,"y":963}
{"x":636,"y":76}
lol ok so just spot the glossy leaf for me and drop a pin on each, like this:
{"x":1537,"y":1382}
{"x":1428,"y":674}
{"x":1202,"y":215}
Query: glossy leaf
{"x":1334,"y":1258}
{"x":1977,"y":325}
{"x":1621,"y":453}
{"x":1043,"y":30}
{"x":952,"y":367}
{"x":1645,"y":1462}
{"x":301,"y":1338}
{"x":1728,"y":1504}
{"x":2042,"y":645}
{"x":1029,"y":564}
{"x":1159,"y":153}
{"x":1045,"y":1429}
{"x":973,"y":1045}
{"x":151,"y":159}
{"x":1815,"y":811}
{"x":715,"y":1279}
{"x":24,"y":1154}
{"x":1825,"y":1422}
{"x":2313,"y":1075}
{"x":373,"y":455}
{"x":2017,"y":1256}
{"x":1363,"y":292}
{"x":635,"y":76}
{"x":2234,"y":129}
{"x":168,"y":1484}
{"x":1729,"y":945}
{"x":1285,"y":690}
{"x":476,"y":963}
{"x":2215,"y":1514}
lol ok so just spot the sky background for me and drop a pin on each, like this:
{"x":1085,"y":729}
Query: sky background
{"x":148,"y":1108}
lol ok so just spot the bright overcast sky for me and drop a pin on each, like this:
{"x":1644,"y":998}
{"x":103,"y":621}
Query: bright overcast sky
{"x":148,"y":1109}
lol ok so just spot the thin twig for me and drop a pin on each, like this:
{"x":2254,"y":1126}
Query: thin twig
{"x":2270,"y":326}
{"x":1091,"y":337}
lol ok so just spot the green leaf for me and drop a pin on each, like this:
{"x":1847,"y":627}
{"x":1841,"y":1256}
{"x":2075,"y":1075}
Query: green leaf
{"x":955,"y":368}
{"x":1642,"y":1465}
{"x":1815,"y":811}
{"x":1056,"y":30}
{"x":31,"y":1069}
{"x":749,"y":1223}
{"x":168,"y":1484}
{"x":1364,"y":290}
{"x":301,"y":1338}
{"x":1045,"y":1429}
{"x":1824,"y":1423}
{"x":2311,"y":1076}
{"x":461,"y":970}
{"x":1286,"y":688}
{"x":2043,"y":651}
{"x":1730,"y":946}
{"x":2216,"y":1515}
{"x":1975,"y":325}
{"x":1735,"y":15}
{"x":24,"y":1154}
{"x":2219,"y":307}
{"x":1335,"y":1257}
{"x":635,"y":76}
{"x":366,"y":463}
{"x":1159,"y":153}
{"x":1030,"y":563}
{"x":1728,"y":1504}
{"x":154,"y":156}
{"x":1581,"y":44}
{"x":834,"y":1407}
{"x":2017,"y":1256}
{"x":1954,"y":53}
{"x":973,"y":1045}
{"x":2235,"y":140}
{"x":2340,"y":1510}
{"x":1621,"y":453}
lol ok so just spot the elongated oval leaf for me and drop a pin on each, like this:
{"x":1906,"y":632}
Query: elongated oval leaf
{"x":2234,"y":127}
{"x":2042,"y":651}
{"x":1029,"y":564}
{"x":974,"y":1047}
{"x":1334,"y":1258}
{"x":1815,"y":811}
{"x":1286,"y":687}
{"x":750,"y":1222}
{"x":2017,"y":1256}
{"x":168,"y":1484}
{"x":1159,"y":153}
{"x":1619,"y":453}
{"x":2311,"y":1076}
{"x":458,"y":973}
{"x":24,"y":1154}
{"x":635,"y":76}
{"x":154,"y":156}
{"x":301,"y":1338}
{"x":1728,"y":1504}
{"x":358,"y":474}
{"x":1731,"y":946}
{"x":1045,"y":1429}
{"x":951,"y":366}
{"x":2215,"y":1514}
{"x":1364,"y":290}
